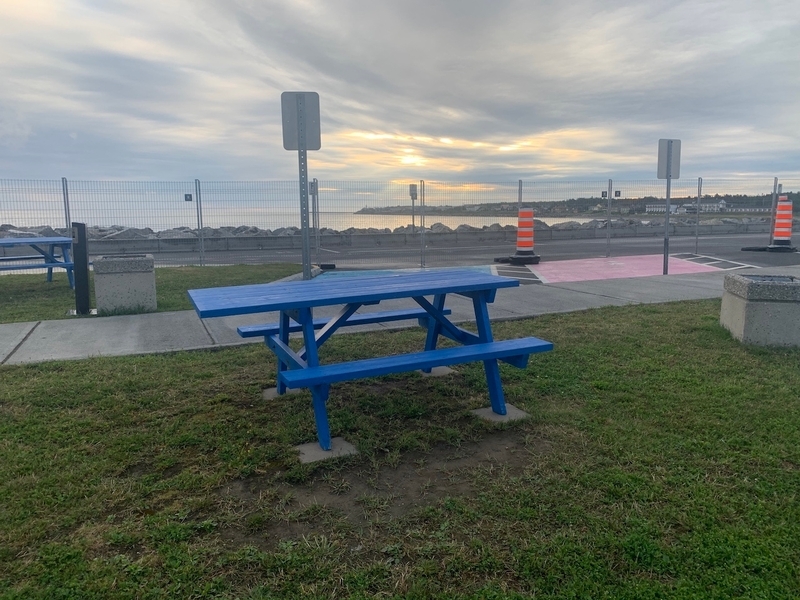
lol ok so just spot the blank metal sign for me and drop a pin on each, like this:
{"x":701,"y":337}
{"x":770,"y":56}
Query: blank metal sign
{"x":675,"y":159}
{"x":291,"y":133}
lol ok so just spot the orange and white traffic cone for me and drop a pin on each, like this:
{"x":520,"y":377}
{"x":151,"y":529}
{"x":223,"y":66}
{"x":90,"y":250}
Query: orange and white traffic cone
{"x":782,"y":232}
{"x":525,"y":254}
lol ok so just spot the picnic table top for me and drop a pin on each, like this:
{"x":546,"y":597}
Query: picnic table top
{"x":333,"y":290}
{"x":15,"y":241}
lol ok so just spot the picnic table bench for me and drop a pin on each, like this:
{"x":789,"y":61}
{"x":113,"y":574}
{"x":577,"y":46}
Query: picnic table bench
{"x":296,"y":300}
{"x":51,"y":252}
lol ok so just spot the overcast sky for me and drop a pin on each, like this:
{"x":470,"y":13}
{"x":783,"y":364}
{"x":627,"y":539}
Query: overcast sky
{"x":477,"y":90}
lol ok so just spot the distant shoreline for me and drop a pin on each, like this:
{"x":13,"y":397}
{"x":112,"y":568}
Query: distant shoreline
{"x":431,"y":213}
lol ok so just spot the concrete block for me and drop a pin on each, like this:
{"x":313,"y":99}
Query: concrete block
{"x":573,"y":234}
{"x":178,"y":245}
{"x":281,"y":242}
{"x":311,"y":452}
{"x":109,"y":247}
{"x":125,"y":283}
{"x":762,"y":309}
{"x":215,"y":244}
{"x":437,"y":372}
{"x":487,"y":236}
{"x":368,"y":240}
{"x":446,"y":239}
{"x":272,"y":393}
{"x":512,"y":414}
{"x":683,"y":230}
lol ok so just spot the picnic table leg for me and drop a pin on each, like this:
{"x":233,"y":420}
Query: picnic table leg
{"x":50,"y":269}
{"x":309,"y":337}
{"x":491,"y":367}
{"x":434,"y":327}
{"x":283,"y":334}
{"x":495,"y":386}
{"x":319,"y":393}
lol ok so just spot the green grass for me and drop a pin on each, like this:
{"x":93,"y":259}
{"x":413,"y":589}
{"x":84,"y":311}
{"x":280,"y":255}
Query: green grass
{"x":31,"y":298}
{"x":661,"y":460}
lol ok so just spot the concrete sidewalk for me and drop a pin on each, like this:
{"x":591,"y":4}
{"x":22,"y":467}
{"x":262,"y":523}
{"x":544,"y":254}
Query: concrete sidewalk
{"x":67,"y":339}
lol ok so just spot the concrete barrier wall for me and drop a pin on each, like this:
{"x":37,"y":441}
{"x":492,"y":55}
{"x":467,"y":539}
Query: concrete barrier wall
{"x":389,"y":240}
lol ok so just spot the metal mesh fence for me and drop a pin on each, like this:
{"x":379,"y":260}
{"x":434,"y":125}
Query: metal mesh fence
{"x":31,"y":204}
{"x":145,"y":205}
{"x":791,"y":188}
{"x":135,"y":217}
{"x":266,"y":205}
{"x":751,"y":196}
{"x":368,"y":224}
{"x":250,"y":222}
{"x":468,"y":220}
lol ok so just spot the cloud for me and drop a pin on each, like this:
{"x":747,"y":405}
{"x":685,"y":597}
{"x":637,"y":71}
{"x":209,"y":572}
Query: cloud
{"x":14,"y":130}
{"x":437,"y":89}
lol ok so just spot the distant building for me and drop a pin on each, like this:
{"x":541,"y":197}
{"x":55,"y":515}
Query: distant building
{"x":720,"y":206}
{"x":661,"y":208}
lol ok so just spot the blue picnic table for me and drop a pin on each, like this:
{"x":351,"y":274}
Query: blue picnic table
{"x":295,"y":302}
{"x":51,"y":252}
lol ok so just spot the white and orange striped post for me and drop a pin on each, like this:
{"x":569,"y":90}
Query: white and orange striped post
{"x":782,"y":231}
{"x":525,"y":254}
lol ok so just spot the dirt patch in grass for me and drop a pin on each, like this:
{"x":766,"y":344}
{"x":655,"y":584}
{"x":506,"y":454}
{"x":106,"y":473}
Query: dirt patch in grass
{"x":356,"y":497}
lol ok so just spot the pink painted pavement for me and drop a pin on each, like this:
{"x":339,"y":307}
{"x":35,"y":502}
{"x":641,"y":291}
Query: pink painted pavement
{"x":590,"y":269}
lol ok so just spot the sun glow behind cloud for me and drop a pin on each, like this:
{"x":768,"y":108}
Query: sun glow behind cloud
{"x":561,"y":150}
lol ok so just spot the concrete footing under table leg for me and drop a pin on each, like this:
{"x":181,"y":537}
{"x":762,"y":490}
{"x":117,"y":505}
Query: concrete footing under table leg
{"x":272,"y":393}
{"x":512,"y":414}
{"x":311,"y":452}
{"x":437,"y":372}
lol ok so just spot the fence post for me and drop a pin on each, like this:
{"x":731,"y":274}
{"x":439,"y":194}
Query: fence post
{"x":608,"y":222}
{"x":65,"y":191}
{"x":772,"y":212}
{"x":200,"y":222}
{"x":412,"y":192}
{"x":314,"y":189}
{"x":422,"y":223}
{"x":697,"y":214}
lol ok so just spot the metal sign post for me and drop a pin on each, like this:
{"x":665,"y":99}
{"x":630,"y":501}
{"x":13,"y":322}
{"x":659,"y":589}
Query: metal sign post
{"x":422,"y":222}
{"x":669,"y":168}
{"x":608,"y":223}
{"x":301,"y":132}
{"x":412,"y":191}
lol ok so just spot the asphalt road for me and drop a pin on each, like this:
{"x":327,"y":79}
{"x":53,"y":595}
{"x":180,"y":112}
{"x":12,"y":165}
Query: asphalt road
{"x":727,"y":247}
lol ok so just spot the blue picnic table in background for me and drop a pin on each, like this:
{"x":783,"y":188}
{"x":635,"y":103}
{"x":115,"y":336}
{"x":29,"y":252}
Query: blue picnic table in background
{"x":295,"y":302}
{"x":51,"y":252}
